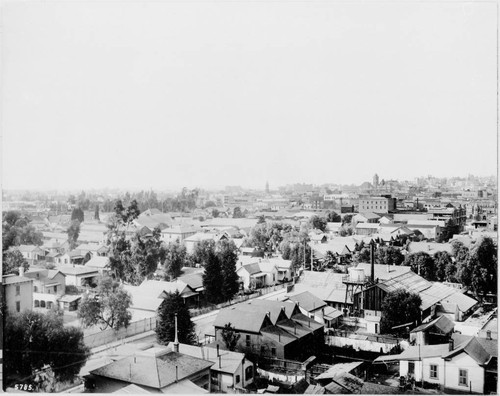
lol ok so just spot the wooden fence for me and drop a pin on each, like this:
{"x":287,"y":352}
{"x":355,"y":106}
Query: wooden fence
{"x":109,"y":335}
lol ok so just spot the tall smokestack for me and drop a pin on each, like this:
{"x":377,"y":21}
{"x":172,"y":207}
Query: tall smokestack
{"x":372,"y":261}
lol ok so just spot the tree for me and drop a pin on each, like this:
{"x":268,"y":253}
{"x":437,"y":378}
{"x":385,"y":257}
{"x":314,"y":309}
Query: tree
{"x":202,"y":250}
{"x":77,"y":214}
{"x":227,"y":253}
{"x":33,"y":340}
{"x":398,"y":308}
{"x":318,"y":223}
{"x":442,"y":261}
{"x":73,"y":233}
{"x":107,"y":307}
{"x":213,"y":279}
{"x":423,"y":264}
{"x":261,"y":219}
{"x":333,"y":217}
{"x":237,"y":213}
{"x":389,"y":255}
{"x":175,"y":258}
{"x":10,"y":217}
{"x":347,"y":219}
{"x":28,"y":235}
{"x":215,"y":213}
{"x":96,"y":213}
{"x":12,"y":260}
{"x":173,"y":305}
{"x":230,"y":336}
{"x":479,"y":272}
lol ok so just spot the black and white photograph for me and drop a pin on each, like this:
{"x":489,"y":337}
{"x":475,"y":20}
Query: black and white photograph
{"x":249,"y":196}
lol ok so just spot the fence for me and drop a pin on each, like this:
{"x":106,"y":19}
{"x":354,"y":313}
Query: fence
{"x":362,"y":342}
{"x":260,"y":292}
{"x":110,"y":335}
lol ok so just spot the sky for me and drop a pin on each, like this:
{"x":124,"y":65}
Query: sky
{"x":166,"y":94}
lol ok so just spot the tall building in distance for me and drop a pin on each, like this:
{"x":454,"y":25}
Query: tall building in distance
{"x":267,"y":187}
{"x":375,"y":181}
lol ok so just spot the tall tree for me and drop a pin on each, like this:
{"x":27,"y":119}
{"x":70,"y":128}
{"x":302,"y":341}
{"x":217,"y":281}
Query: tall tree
{"x":398,"y":308}
{"x":33,"y":340}
{"x":227,"y":253}
{"x":202,"y":250}
{"x":389,"y":255}
{"x":442,"y":261}
{"x":96,"y":213}
{"x":77,"y":214}
{"x":12,"y":261}
{"x":11,"y":217}
{"x":318,"y":223}
{"x":73,"y":233}
{"x":479,"y":272}
{"x":423,"y":264}
{"x":107,"y":307}
{"x":333,"y":217}
{"x":230,"y":336}
{"x":165,"y":330}
{"x":175,"y":259}
{"x":213,"y":279}
{"x":237,"y":213}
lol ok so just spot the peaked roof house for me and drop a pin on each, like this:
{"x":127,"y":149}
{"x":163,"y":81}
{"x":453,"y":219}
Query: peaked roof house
{"x":315,"y":308}
{"x":164,"y":372}
{"x":271,"y":329}
{"x":466,"y":364}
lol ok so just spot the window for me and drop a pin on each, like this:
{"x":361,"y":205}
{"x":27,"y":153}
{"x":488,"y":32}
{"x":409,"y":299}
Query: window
{"x":411,"y":367}
{"x":248,"y":340}
{"x":55,"y":289}
{"x":237,"y":379}
{"x":18,"y":290}
{"x":18,"y":306}
{"x":273,"y":351}
{"x":248,"y":373}
{"x":434,"y":371}
{"x":35,"y":289}
{"x":42,"y":304}
{"x":462,"y":377}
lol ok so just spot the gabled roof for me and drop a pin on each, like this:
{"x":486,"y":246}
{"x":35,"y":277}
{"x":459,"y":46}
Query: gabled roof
{"x":28,"y":248}
{"x":230,"y":361}
{"x":42,"y":274}
{"x":153,"y":371}
{"x":77,"y":270}
{"x":384,"y":272}
{"x":307,"y":301}
{"x":278,"y":335}
{"x":159,"y":289}
{"x":339,"y":368}
{"x":368,"y":215}
{"x":474,"y":349}
{"x":252,"y":269}
{"x":443,"y":324}
{"x":98,"y":262}
{"x":416,"y":352}
{"x":241,"y":320}
{"x":344,"y":383}
{"x":12,"y":279}
{"x":490,"y":346}
{"x":274,"y":308}
{"x":194,"y":281}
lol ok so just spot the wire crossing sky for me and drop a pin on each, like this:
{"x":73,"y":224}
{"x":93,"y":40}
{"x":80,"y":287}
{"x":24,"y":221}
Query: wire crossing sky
{"x":166,"y":94}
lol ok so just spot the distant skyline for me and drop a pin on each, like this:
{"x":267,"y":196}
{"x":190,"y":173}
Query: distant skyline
{"x":162,"y":95}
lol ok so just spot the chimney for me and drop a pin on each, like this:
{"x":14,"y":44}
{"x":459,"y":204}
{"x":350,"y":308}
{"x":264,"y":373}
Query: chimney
{"x":372,"y":261}
{"x":451,"y":345}
{"x":176,"y":373}
{"x":220,"y":366}
{"x":488,"y":334}
{"x":218,"y":354}
{"x":21,"y":271}
{"x":176,"y":341}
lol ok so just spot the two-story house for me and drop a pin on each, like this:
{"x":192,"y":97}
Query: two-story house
{"x":48,"y":287}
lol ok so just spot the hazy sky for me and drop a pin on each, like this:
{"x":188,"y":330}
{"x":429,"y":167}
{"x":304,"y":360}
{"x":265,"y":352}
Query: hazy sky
{"x":168,"y":94}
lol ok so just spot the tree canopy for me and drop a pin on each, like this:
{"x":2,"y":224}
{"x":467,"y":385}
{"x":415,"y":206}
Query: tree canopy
{"x":12,"y":260}
{"x":73,"y":233}
{"x":33,"y":340}
{"x":77,"y":214}
{"x":165,"y":330}
{"x":107,"y":307}
{"x":230,"y":336}
{"x":213,"y":278}
{"x":398,"y":308}
{"x":175,"y":258}
{"x":318,"y":223}
{"x":423,"y":264}
{"x":227,"y":253}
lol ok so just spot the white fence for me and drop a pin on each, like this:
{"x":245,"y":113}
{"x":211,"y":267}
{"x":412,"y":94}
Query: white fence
{"x":363,"y":343}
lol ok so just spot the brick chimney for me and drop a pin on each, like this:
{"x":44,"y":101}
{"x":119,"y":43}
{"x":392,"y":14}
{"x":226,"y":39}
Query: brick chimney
{"x":451,"y":345}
